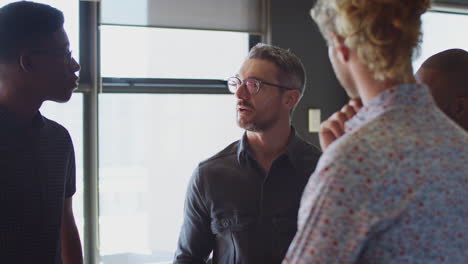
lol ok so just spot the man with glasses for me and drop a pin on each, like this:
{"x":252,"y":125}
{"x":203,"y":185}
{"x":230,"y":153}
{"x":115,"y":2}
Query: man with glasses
{"x":37,"y":162}
{"x":242,"y":203}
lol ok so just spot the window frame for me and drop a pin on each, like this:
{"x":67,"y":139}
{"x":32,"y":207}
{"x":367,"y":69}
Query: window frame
{"x":167,"y":85}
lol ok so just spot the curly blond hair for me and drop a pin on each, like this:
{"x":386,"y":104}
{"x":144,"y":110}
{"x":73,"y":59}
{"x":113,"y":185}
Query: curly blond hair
{"x":384,"y":33}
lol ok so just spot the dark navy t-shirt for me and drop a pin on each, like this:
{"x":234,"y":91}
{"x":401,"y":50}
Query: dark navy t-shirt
{"x":37,"y":173}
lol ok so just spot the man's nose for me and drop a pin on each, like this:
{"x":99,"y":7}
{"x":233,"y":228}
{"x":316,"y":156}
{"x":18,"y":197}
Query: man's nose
{"x":242,"y":92}
{"x":75,"y":66}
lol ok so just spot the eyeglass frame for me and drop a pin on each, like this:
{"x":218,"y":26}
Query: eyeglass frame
{"x":240,"y":82}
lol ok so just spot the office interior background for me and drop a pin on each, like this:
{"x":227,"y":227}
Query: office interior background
{"x":152,"y":103}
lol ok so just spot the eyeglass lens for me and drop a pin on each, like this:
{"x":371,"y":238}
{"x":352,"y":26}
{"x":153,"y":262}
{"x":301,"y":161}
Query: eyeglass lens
{"x":251,"y":84}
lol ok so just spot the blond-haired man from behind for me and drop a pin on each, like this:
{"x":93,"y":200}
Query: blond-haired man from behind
{"x":446,"y":75}
{"x":391,"y":189}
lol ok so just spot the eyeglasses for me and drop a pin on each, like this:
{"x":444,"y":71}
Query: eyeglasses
{"x":67,"y":55}
{"x":252,"y":84}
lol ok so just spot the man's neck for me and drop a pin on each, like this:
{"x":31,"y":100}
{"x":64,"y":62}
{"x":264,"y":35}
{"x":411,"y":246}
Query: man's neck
{"x":269,"y":145}
{"x":25,"y":107}
{"x":368,"y":88}
{"x":371,"y":89}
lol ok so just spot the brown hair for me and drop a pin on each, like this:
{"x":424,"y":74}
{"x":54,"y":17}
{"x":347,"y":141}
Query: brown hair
{"x":292,"y":70}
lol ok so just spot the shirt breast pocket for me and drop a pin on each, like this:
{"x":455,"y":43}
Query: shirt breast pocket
{"x":233,"y":235}
{"x":231,"y":223}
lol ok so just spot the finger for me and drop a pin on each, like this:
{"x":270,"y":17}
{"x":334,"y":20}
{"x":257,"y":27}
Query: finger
{"x":348,"y":111}
{"x":326,"y":137}
{"x":330,"y":130}
{"x":337,"y":128}
{"x":340,"y":117}
{"x":356,"y":104}
{"x":332,"y":126}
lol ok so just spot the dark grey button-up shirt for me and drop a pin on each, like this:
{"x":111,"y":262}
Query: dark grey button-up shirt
{"x":240,"y":212}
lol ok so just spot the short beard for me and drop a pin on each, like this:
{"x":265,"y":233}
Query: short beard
{"x":254,"y":126}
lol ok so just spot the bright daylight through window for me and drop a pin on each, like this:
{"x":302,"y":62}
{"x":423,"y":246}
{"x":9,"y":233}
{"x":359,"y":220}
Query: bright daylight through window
{"x":151,"y":143}
{"x":442,"y":31}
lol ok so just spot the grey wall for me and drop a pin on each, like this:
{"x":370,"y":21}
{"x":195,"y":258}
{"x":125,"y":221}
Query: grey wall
{"x":293,"y":28}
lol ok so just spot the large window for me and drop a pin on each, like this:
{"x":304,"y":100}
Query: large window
{"x":151,"y":142}
{"x":149,"y":146}
{"x":142,"y":52}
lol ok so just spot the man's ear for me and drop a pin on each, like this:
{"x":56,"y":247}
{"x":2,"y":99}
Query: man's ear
{"x":337,"y":43}
{"x":292,"y":98}
{"x":25,"y":62}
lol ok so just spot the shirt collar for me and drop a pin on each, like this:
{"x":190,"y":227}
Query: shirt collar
{"x":294,"y":145}
{"x":405,"y":94}
{"x":9,"y":118}
{"x":243,"y":147}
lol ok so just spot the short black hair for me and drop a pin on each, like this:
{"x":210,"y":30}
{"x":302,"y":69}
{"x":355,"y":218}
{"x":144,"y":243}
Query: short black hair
{"x":451,"y":60}
{"x":23,"y":23}
{"x":454,"y":64}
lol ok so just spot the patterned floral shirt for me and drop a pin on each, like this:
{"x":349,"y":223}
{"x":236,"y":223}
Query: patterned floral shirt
{"x":393,"y":189}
